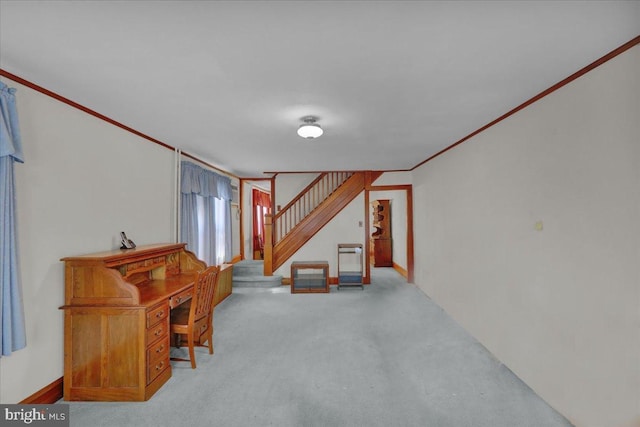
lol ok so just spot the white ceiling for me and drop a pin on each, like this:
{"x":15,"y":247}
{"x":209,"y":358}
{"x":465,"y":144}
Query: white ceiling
{"x":392,"y":82}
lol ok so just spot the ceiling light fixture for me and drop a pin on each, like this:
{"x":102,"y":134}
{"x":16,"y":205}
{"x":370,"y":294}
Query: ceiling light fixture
{"x":310,"y":129}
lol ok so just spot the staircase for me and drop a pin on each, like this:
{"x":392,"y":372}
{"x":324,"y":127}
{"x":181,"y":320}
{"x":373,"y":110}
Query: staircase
{"x":307,"y":213}
{"x":249,"y":274}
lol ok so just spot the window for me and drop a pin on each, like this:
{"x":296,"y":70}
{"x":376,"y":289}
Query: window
{"x":206,"y":214}
{"x":212,"y":232}
{"x":223,"y":231}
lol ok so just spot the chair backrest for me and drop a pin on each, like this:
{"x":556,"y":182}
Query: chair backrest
{"x":203,"y":293}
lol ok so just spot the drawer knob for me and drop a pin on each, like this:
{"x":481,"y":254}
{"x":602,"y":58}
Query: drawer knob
{"x":159,"y":314}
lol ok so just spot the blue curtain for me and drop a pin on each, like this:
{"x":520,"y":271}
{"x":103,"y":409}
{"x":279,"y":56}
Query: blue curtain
{"x":11,"y":309}
{"x":199,"y":185}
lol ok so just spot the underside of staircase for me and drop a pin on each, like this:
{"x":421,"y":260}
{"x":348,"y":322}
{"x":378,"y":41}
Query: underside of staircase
{"x":279,"y":246}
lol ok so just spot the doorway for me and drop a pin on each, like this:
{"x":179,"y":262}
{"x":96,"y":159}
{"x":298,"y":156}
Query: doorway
{"x":400,"y":229}
{"x":255,"y":202}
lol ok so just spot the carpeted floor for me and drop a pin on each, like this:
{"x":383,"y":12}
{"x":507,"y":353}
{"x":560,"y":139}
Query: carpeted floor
{"x":385,"y":356}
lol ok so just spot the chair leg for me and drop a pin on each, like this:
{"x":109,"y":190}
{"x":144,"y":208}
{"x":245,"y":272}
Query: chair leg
{"x":211,"y":335}
{"x":192,"y":353}
{"x":210,"y":339}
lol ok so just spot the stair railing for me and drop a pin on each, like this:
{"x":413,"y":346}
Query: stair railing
{"x":305,"y":202}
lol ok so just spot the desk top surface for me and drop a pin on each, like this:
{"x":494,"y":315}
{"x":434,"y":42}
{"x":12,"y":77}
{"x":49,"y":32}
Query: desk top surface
{"x":155,"y":291}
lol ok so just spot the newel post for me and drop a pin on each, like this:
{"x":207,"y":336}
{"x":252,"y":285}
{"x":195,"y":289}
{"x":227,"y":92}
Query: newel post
{"x":268,"y":245}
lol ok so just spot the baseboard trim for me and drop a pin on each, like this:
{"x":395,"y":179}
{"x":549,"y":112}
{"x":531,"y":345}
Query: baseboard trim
{"x":49,"y":394}
{"x":400,"y":270}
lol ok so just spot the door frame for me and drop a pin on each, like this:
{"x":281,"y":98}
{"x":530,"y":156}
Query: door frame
{"x":408,"y":188}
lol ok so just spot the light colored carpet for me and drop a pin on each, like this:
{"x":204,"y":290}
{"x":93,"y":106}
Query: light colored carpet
{"x":384,"y":356}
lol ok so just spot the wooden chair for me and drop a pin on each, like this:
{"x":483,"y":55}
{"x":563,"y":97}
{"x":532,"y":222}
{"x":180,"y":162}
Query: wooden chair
{"x":194,"y":319}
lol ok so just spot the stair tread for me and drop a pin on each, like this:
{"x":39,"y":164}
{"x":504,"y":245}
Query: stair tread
{"x":257,"y":281}
{"x":248,"y":273}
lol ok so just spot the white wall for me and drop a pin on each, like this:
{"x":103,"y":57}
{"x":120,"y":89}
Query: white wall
{"x":394,"y":178}
{"x":235,"y":230}
{"x":247,"y":222}
{"x":83,"y":181}
{"x":289,"y":185}
{"x":560,"y":306}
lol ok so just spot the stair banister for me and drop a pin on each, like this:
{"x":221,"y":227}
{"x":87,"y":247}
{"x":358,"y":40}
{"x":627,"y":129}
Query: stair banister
{"x":285,"y":212}
{"x":306,"y":202}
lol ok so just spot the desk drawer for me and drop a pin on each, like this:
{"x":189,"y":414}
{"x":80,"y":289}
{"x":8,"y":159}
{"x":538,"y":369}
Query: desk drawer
{"x":157,"y":314}
{"x":157,"y":358}
{"x":157,"y":332}
{"x":157,"y":367}
{"x":183,"y":296}
{"x":158,"y":351}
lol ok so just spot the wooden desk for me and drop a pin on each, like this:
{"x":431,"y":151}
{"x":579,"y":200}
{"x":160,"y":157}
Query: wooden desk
{"x":116,"y":319}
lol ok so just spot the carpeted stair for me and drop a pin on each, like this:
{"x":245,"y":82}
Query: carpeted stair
{"x":249,"y":274}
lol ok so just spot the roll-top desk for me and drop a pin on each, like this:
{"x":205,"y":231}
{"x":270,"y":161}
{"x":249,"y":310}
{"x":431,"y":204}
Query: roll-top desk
{"x":116,"y":319}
